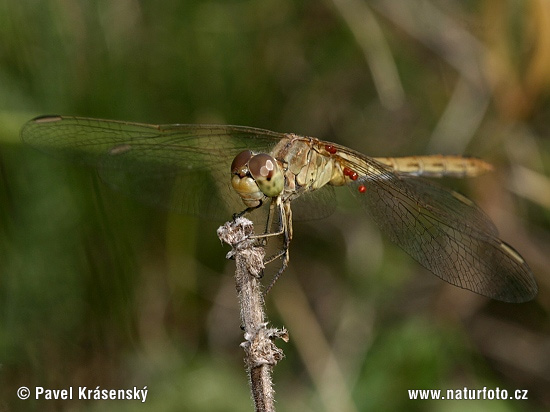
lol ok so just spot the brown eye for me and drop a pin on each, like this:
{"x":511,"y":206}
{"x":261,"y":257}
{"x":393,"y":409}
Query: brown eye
{"x":262,"y":166}
{"x":240,"y":161}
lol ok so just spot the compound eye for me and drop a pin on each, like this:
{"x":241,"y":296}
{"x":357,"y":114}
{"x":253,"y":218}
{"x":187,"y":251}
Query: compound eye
{"x":262,"y":167}
{"x":240,"y":161}
{"x":267,"y":174}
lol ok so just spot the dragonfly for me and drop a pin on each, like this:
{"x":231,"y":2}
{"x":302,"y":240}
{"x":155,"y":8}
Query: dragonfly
{"x":216,"y":170}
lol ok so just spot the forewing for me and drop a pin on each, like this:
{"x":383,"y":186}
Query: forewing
{"x":185,"y":168}
{"x":445,"y":232}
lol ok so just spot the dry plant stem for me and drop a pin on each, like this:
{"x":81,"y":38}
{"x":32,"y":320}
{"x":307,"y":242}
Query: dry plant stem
{"x":261,"y":354}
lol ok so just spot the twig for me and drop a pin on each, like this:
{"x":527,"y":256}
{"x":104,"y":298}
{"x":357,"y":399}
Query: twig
{"x":261,"y":354}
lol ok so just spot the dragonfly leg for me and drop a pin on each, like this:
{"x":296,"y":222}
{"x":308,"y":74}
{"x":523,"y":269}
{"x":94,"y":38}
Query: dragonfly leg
{"x":247,"y":210}
{"x":286,"y":223}
{"x":282,"y":209}
{"x":286,"y":258}
{"x":269,"y":221}
{"x":275,"y":256}
{"x":276,"y":202}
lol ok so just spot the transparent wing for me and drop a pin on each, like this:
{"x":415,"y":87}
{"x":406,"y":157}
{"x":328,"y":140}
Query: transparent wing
{"x":184,"y":168}
{"x":314,"y":205}
{"x":445,"y":232}
{"x":181,"y":167}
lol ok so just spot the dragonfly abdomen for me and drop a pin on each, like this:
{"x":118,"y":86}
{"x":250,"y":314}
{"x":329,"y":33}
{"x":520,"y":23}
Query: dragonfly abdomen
{"x":437,"y":165}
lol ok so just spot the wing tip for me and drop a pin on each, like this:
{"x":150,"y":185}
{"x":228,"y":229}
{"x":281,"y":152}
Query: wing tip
{"x":525,"y":293}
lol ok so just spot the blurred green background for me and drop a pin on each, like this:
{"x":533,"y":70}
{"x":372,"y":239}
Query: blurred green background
{"x":98,"y":290}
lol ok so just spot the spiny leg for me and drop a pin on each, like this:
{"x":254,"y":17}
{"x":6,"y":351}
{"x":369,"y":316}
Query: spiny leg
{"x":276,"y":202}
{"x":247,"y":210}
{"x":284,"y":228}
{"x":285,"y":213}
{"x":262,"y":238}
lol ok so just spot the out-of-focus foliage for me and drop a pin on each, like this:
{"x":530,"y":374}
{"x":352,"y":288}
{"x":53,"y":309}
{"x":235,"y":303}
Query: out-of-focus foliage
{"x":97,"y":290}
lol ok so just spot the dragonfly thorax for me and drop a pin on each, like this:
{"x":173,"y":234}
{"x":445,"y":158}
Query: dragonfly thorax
{"x":256,"y":177}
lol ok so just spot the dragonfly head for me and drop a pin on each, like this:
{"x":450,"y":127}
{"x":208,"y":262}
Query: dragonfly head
{"x":256,"y":176}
